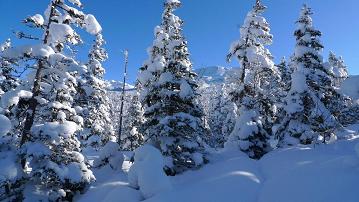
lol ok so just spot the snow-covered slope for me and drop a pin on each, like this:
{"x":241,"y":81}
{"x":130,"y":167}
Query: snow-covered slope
{"x":327,"y":173}
{"x":350,"y":87}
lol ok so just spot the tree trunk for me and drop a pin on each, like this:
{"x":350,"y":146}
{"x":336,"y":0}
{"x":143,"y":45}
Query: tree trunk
{"x":31,"y":111}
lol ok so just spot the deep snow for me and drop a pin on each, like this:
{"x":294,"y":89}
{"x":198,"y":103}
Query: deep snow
{"x":327,"y":173}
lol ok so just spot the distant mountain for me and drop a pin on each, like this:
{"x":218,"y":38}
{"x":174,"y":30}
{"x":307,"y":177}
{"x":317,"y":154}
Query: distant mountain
{"x":113,"y":85}
{"x":214,"y":74}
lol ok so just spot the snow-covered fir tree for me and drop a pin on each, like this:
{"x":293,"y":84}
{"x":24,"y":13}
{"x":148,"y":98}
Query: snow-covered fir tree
{"x":47,"y":147}
{"x":256,"y":85}
{"x":132,"y":137}
{"x":229,"y":111}
{"x":92,"y":100}
{"x":337,"y":69}
{"x":8,"y":81}
{"x":285,"y":74}
{"x":221,"y":114}
{"x":313,"y":103}
{"x":11,"y":183}
{"x":215,"y":118}
{"x":173,"y":118}
{"x":344,"y":108}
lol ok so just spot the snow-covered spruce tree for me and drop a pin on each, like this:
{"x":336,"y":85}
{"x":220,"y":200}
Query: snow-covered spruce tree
{"x":132,"y":137}
{"x":215,"y":117}
{"x":344,"y":108}
{"x":256,"y":86}
{"x":8,"y":80}
{"x":49,"y":150}
{"x":10,"y":182}
{"x":229,"y":111}
{"x":285,"y":74}
{"x":221,"y":114}
{"x":173,"y":118}
{"x":312,"y":104}
{"x":205,"y":93}
{"x":337,"y":69}
{"x":92,"y":100}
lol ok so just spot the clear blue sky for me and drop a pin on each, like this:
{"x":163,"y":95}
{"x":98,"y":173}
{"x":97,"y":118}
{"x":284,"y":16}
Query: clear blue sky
{"x":210,"y":27}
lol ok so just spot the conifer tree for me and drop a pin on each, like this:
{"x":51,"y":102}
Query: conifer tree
{"x":173,"y":118}
{"x":255,"y":93}
{"x":93,"y":100}
{"x":47,"y":147}
{"x":8,"y":80}
{"x":221,"y":115}
{"x":337,"y":69}
{"x":312,"y":104}
{"x":215,"y":117}
{"x":285,"y":74}
{"x":132,"y":137}
{"x":229,"y":111}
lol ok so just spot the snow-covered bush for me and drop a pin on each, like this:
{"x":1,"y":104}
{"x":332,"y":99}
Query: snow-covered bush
{"x":111,"y":155}
{"x":147,"y":172}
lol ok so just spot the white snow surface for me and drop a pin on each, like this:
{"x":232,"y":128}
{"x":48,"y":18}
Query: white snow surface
{"x":38,"y":19}
{"x":76,"y":2}
{"x":173,"y":1}
{"x":147,"y":172}
{"x":322,"y":173}
{"x":13,"y":97}
{"x":9,"y":169}
{"x":5,"y":125}
{"x":28,"y":50}
{"x":92,"y":26}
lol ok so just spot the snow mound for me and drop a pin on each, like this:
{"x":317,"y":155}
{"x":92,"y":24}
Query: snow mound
{"x":110,"y":154}
{"x":327,"y":173}
{"x":9,"y":169}
{"x":147,"y":172}
{"x":5,"y":125}
{"x":322,"y":173}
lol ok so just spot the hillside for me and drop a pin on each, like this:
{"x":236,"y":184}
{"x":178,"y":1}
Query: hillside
{"x":350,"y":87}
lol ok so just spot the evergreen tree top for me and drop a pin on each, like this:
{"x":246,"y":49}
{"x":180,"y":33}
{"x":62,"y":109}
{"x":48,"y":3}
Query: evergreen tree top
{"x":305,"y":15}
{"x":308,"y":43}
{"x":305,"y":25}
{"x":259,"y":7}
{"x":172,"y":3}
{"x":254,"y":36}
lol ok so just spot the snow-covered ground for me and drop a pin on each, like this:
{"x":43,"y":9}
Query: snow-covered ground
{"x":327,"y":173}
